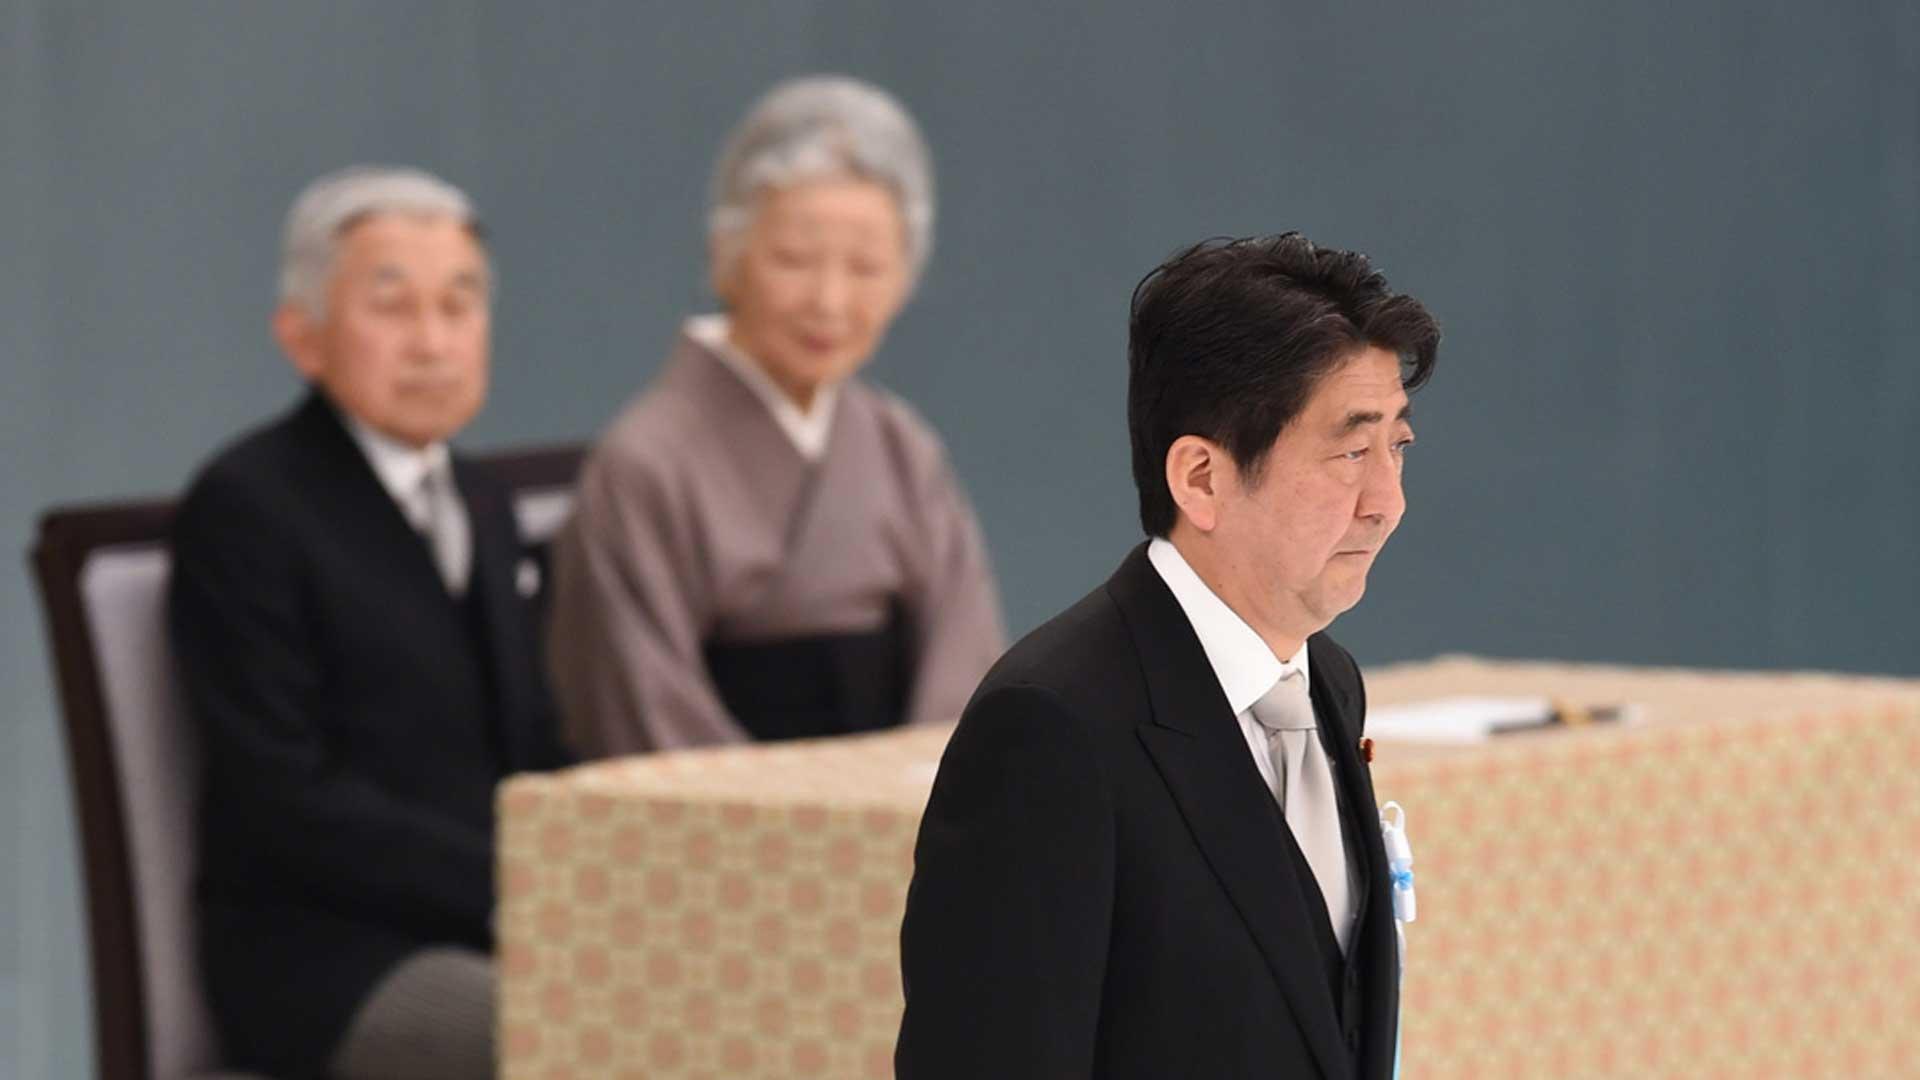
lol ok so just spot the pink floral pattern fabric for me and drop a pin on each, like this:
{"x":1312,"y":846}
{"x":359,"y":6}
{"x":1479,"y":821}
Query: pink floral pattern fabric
{"x":1729,"y":888}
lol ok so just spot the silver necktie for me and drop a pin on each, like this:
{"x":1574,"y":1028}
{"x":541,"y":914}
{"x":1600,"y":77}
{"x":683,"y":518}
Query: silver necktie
{"x":1305,"y":792}
{"x":447,"y":529}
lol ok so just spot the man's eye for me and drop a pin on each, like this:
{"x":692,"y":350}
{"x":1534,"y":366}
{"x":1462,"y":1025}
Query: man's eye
{"x":1354,"y":455}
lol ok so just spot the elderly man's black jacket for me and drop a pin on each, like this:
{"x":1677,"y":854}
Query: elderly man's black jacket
{"x":1104,"y":886}
{"x":354,"y":717}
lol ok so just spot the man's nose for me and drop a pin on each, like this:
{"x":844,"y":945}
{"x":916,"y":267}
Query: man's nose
{"x":1383,"y":497}
{"x":431,"y":333}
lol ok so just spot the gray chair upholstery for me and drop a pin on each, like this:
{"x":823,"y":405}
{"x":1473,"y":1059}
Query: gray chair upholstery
{"x":123,"y":592}
{"x":102,"y":573}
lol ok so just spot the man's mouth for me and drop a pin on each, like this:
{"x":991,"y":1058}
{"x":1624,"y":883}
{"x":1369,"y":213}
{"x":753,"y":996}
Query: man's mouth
{"x":435,"y":389}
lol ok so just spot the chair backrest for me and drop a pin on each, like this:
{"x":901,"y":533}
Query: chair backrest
{"x":102,"y":572}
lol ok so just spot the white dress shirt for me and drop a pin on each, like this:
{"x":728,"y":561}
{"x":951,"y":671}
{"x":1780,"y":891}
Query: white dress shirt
{"x":402,"y":469}
{"x":1241,"y":660}
{"x":807,"y":429}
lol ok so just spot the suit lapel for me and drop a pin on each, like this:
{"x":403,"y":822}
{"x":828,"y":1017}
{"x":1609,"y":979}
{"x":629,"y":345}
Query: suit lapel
{"x":494,"y":588}
{"x":1196,"y":744}
{"x":1334,"y":705}
{"x":1374,"y":942}
{"x":364,"y":513}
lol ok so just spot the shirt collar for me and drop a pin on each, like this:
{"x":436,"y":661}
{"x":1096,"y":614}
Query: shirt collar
{"x":1241,"y":660}
{"x":400,"y":468}
{"x":808,"y":429}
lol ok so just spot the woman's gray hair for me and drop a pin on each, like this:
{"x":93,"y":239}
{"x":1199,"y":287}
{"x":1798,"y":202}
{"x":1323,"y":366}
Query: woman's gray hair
{"x":333,"y":202}
{"x":823,"y":125}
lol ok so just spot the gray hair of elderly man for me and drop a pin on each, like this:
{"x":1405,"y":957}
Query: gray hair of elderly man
{"x":823,"y":125}
{"x":329,"y":205}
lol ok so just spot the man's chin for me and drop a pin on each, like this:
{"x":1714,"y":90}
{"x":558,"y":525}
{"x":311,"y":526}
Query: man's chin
{"x":1345,"y":597}
{"x":422,"y":433}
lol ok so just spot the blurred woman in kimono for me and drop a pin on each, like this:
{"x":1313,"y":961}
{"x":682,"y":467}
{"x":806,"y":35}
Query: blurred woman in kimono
{"x":765,"y":546}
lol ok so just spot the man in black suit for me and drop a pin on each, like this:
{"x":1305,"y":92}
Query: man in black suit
{"x":347,"y":615}
{"x":1152,"y":849}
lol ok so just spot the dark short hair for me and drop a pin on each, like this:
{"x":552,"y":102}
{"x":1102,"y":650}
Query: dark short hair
{"x":1227,"y":339}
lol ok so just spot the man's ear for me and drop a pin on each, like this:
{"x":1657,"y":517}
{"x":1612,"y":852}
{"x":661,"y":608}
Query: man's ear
{"x":1196,"y":470}
{"x":298,"y":334}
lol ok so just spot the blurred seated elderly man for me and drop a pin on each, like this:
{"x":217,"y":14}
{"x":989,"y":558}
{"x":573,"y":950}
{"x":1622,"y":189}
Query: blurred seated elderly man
{"x":765,"y":546}
{"x":360,"y":663}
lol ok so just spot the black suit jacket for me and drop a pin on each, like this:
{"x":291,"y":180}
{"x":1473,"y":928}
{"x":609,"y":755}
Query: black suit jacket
{"x":355,"y":718}
{"x":1104,"y":886}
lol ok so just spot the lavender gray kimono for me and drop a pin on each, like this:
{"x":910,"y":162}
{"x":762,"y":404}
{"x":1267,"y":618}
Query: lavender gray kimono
{"x":715,"y":586}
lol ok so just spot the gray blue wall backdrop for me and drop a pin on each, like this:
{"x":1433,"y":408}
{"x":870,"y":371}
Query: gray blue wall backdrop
{"x":1675,"y":246}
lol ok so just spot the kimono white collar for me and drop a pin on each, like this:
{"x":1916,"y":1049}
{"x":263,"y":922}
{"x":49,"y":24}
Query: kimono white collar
{"x":807,"y":430}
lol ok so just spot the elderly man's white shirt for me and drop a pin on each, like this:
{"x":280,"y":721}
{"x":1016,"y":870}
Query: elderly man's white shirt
{"x":402,"y":469}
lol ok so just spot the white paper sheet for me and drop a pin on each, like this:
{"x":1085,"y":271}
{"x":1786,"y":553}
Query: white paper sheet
{"x":1455,"y":719}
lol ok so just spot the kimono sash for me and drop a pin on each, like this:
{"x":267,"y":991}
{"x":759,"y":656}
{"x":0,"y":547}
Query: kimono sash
{"x":825,"y":684}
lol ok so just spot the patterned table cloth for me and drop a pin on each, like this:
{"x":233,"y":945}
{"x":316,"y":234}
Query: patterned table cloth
{"x":1728,"y":888}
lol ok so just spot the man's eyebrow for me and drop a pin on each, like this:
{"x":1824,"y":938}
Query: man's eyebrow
{"x":476,"y":280}
{"x":1358,"y":420}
